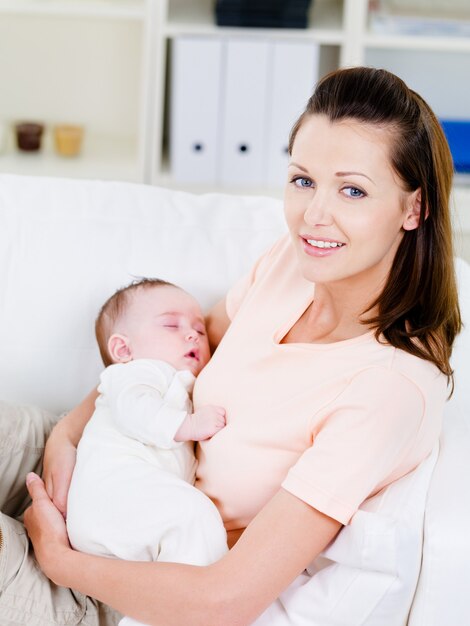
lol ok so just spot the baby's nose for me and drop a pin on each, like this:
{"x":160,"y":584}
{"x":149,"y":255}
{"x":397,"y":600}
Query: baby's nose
{"x":192,"y":335}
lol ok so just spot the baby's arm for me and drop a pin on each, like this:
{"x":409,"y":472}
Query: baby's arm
{"x":140,"y":407}
{"x":202,"y":424}
{"x":137,"y":396}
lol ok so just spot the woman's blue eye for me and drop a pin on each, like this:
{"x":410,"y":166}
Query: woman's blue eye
{"x":303,"y":183}
{"x":354,"y":192}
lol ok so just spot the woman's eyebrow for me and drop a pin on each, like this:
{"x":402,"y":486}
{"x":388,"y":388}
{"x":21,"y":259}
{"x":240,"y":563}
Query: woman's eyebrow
{"x":304,"y":169}
{"x":354,"y":174}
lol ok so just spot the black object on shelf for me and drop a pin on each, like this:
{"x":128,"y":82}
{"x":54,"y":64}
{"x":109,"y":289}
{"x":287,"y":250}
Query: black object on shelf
{"x":263,"y":13}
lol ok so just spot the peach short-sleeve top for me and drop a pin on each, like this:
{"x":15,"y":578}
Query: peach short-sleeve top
{"x":331,"y":423}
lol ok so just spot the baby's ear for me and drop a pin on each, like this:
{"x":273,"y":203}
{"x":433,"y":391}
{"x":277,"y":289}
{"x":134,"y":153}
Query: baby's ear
{"x":119,"y":349}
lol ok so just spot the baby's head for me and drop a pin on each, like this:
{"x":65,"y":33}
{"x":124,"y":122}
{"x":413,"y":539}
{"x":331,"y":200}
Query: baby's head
{"x":153,"y":319}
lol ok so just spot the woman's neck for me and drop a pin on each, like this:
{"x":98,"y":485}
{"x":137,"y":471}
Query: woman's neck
{"x":334,"y":315}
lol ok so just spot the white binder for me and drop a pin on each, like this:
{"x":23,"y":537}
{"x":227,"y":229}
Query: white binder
{"x":195,"y":109}
{"x":294,"y":74}
{"x":244,"y":112}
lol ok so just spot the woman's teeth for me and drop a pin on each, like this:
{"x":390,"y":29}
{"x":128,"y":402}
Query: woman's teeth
{"x":324,"y":244}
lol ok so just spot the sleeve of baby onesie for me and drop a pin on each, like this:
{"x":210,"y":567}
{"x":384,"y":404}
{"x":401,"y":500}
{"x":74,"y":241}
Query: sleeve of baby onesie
{"x":136,"y":394}
{"x":363,"y":438}
{"x":238,"y":291}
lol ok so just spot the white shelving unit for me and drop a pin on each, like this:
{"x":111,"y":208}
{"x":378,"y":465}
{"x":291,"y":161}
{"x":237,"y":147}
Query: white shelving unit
{"x":108,"y":68}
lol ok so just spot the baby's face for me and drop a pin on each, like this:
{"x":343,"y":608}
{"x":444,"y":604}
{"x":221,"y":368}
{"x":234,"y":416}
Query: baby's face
{"x":167,"y":324}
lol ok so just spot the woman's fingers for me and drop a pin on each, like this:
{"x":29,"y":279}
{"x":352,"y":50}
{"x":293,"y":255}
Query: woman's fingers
{"x":45,"y":525}
{"x":42,"y":517}
{"x":36,"y":487}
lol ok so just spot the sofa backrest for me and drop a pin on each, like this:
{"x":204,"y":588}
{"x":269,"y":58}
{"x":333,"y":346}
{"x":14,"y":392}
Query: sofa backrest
{"x":66,"y":245}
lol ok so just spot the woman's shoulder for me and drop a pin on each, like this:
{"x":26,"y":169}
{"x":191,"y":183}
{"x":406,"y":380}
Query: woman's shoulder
{"x":278,"y":265}
{"x":268,"y":277}
{"x":282,"y":252}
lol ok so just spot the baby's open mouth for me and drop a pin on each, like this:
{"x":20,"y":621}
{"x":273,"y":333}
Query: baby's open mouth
{"x":192,"y":354}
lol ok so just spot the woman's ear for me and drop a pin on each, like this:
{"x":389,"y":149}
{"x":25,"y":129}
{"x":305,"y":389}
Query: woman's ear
{"x":119,"y":349}
{"x":413,"y":210}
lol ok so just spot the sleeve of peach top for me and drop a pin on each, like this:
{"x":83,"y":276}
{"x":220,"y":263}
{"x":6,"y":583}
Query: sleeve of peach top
{"x":237,"y":293}
{"x":360,"y":443}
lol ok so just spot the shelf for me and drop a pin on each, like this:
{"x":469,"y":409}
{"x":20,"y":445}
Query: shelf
{"x":198,"y":18}
{"x":407,"y":42}
{"x":109,"y":9}
{"x":415,"y":29}
{"x":102,"y":158}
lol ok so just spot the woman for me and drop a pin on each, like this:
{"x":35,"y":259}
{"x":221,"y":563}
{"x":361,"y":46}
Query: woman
{"x":347,"y":328}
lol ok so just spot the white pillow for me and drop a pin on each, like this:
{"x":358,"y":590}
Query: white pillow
{"x":368,"y":575}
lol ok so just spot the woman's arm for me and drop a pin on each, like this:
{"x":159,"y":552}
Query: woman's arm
{"x":217,"y":322}
{"x":61,"y":447}
{"x":276,"y":547}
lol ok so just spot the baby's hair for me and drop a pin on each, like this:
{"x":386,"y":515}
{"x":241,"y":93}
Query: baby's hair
{"x":114,"y":307}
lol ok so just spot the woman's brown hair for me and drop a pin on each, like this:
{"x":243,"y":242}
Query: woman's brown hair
{"x":418,"y":309}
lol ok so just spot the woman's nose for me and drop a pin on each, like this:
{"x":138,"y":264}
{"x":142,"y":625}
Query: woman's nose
{"x":317,"y":212}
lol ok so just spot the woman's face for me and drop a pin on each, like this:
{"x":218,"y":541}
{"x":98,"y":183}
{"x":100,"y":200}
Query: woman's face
{"x":345,"y":207}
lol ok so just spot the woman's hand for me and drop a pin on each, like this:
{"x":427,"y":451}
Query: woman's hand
{"x":59,"y":461}
{"x":46,"y":527}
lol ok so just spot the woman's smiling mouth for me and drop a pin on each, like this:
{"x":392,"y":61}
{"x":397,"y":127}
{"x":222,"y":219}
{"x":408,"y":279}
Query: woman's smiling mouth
{"x":320,"y":247}
{"x":321,"y":243}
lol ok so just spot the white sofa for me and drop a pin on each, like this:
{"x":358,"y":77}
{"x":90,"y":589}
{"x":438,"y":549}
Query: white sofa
{"x":66,"y":245}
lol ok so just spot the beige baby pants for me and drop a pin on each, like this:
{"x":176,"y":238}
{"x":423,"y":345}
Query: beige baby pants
{"x":27,"y":597}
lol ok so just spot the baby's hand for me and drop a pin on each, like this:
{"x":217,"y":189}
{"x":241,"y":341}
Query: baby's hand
{"x":206,"y":422}
{"x":201,"y":425}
